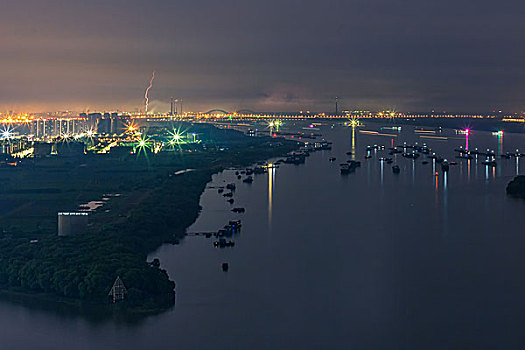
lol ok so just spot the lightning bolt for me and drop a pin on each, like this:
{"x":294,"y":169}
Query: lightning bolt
{"x":146,"y":97}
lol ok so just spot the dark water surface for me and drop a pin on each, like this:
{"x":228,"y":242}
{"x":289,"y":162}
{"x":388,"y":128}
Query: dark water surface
{"x":368,"y":260}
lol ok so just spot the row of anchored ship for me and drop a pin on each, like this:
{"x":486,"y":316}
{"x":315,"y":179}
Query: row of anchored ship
{"x":234,"y":226}
{"x":415,"y":151}
{"x":407,"y":151}
{"x":489,"y":154}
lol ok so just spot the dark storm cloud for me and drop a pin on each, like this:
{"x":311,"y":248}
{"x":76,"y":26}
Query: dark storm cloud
{"x":263,"y":55}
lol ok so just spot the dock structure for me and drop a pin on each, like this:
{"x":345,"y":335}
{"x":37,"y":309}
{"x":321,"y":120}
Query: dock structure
{"x":118,"y":291}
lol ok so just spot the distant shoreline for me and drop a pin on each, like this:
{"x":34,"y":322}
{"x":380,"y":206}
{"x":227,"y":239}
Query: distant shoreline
{"x":454,"y":123}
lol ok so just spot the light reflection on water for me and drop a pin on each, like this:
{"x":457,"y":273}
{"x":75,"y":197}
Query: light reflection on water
{"x":382,"y":166}
{"x":271,"y":181}
{"x":353,"y":143}
{"x":413,"y":171}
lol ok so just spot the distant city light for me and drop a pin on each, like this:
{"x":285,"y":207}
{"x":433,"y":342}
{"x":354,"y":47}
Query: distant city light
{"x":7,"y":132}
{"x":354,"y":122}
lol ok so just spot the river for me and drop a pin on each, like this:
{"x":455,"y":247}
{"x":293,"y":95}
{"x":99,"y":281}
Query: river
{"x":363,"y":261}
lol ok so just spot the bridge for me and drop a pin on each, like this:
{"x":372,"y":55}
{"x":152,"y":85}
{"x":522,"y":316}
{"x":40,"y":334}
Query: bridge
{"x":217,"y":111}
{"x":222,"y":111}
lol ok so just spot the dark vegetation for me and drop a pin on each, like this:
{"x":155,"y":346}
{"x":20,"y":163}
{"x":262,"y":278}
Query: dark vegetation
{"x":516,"y":187}
{"x":154,"y":206}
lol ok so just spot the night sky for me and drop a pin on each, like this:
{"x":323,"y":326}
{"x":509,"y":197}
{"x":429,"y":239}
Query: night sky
{"x":411,"y":55}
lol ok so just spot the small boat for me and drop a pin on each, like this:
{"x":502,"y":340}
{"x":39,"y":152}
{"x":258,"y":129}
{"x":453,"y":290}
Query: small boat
{"x":394,"y":150}
{"x":444,"y":166}
{"x":405,"y":145}
{"x":220,"y":190}
{"x":412,"y":155}
{"x":331,"y":159}
{"x":349,"y":153}
{"x":229,"y":194}
{"x":222,"y":242}
{"x":248,"y":180}
{"x":396,"y":169}
{"x":234,"y":224}
{"x":231,"y":200}
{"x":345,"y":169}
{"x":238,"y":210}
{"x":231,"y":187}
{"x":225,"y":266}
{"x":295,"y":159}
{"x":465,"y":156}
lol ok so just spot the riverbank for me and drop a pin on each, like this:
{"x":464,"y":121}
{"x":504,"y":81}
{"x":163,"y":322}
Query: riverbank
{"x":516,"y":188}
{"x":82,"y":268}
